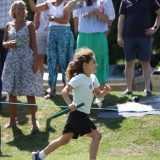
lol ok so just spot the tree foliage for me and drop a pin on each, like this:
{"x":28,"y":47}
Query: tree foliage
{"x":30,"y":13}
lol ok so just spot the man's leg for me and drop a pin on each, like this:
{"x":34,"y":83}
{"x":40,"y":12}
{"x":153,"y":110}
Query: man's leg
{"x":145,"y":47}
{"x":147,"y":74}
{"x":129,"y":73}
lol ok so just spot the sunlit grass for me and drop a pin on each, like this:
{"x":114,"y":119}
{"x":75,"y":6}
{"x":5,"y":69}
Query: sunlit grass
{"x":132,"y":138}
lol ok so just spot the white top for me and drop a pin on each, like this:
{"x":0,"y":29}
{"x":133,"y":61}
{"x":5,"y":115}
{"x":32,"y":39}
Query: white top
{"x":56,"y":11}
{"x":83,"y":90}
{"x":92,"y":24}
{"x":44,"y":19}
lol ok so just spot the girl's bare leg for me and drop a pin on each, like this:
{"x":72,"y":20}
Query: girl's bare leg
{"x":96,"y":137}
{"x":63,"y":140}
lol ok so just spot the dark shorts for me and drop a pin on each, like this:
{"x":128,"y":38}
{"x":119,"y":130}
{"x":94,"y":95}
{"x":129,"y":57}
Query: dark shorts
{"x":79,"y":124}
{"x":137,"y":48}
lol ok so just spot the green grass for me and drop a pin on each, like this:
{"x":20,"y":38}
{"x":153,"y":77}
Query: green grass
{"x":132,"y":138}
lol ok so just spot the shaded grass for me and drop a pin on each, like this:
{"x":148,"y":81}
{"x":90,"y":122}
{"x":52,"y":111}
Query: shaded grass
{"x":132,"y":138}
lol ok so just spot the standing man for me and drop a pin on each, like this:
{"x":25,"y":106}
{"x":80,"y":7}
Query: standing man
{"x":4,"y":18}
{"x":134,"y":36}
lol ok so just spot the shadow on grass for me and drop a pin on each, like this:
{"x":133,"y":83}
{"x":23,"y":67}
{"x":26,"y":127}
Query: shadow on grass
{"x":58,"y":100}
{"x":110,"y":100}
{"x":21,"y":112}
{"x":39,"y":140}
{"x":31,"y":142}
{"x":4,"y":155}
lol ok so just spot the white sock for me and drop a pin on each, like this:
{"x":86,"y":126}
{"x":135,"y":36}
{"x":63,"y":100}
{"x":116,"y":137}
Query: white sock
{"x":42,"y":155}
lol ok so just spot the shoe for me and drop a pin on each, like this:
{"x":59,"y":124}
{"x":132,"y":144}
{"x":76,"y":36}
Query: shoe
{"x":148,"y":93}
{"x":126,"y":92}
{"x":48,"y":96}
{"x":45,"y":92}
{"x":35,"y":156}
{"x":98,"y":100}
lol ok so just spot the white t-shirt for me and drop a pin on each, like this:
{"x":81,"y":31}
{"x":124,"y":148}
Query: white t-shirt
{"x":83,"y":90}
{"x":56,"y":11}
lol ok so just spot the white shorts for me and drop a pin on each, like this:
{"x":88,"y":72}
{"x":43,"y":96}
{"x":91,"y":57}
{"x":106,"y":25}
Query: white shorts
{"x":41,"y":39}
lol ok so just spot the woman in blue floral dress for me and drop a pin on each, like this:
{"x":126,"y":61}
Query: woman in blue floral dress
{"x":20,"y":75}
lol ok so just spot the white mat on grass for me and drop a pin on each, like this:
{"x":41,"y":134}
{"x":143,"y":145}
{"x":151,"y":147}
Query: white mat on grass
{"x":148,"y":105}
{"x":133,"y":107}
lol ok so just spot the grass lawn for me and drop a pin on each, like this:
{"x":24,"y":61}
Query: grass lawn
{"x":132,"y":138}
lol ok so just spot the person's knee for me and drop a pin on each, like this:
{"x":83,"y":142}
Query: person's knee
{"x":97,"y":136}
{"x":130,"y":64}
{"x":145,"y":64}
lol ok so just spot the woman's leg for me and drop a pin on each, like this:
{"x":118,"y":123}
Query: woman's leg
{"x":41,"y":58}
{"x":65,"y":50}
{"x":12,"y":110}
{"x":31,"y":100}
{"x":96,"y":137}
{"x":52,"y":59}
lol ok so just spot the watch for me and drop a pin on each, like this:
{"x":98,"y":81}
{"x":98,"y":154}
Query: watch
{"x":52,"y":18}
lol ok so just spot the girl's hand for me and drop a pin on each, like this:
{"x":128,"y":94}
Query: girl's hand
{"x":73,"y":107}
{"x":35,"y":67}
{"x":107,"y":88}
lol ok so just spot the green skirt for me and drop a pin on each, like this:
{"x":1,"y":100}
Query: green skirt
{"x":98,"y":43}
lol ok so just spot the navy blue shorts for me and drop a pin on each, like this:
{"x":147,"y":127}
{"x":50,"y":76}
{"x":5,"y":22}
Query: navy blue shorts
{"x":137,"y":48}
{"x":79,"y":124}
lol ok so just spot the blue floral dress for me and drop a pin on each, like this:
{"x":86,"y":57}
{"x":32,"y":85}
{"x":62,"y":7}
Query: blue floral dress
{"x":18,"y":78}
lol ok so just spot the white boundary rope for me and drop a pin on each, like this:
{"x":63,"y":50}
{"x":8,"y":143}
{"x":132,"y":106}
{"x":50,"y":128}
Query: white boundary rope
{"x":46,"y":105}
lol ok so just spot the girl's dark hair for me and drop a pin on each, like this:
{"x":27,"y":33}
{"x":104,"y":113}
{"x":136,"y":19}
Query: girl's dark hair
{"x":82,"y":55}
